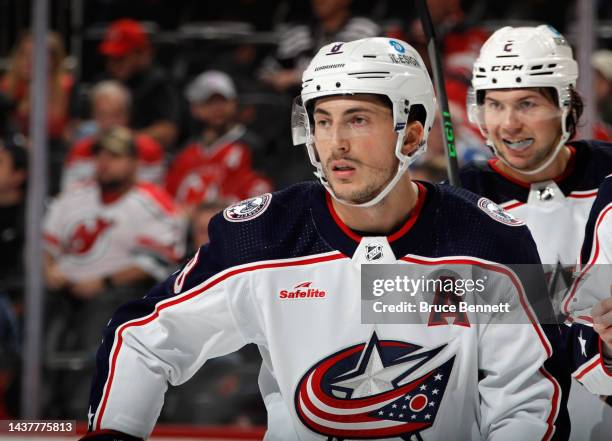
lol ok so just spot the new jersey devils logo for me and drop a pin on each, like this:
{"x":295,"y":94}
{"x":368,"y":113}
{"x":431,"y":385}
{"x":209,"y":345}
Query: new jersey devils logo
{"x":84,"y":236}
{"x":367,"y":391}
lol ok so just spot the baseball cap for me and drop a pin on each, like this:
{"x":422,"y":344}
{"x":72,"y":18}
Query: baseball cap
{"x":602,"y":61}
{"x":117,"y":140}
{"x":208,"y":84}
{"x":122,"y":37}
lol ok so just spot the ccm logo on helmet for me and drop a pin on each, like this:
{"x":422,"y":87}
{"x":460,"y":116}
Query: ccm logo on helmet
{"x":506,"y":67}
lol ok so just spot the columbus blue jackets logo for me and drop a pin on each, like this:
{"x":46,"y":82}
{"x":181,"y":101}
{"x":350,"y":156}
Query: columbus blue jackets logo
{"x":247,"y":209}
{"x":371,"y":391}
{"x":498,"y":213}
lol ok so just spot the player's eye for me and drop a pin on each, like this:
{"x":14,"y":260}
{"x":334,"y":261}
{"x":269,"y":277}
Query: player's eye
{"x":493,"y":105}
{"x":527,"y":105}
{"x":322,"y":123}
{"x":359,"y":121}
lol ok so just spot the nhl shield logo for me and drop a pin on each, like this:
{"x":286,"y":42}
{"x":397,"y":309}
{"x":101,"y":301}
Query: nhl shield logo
{"x":546,"y":193}
{"x":498,"y":213}
{"x":374,"y":251}
{"x":247,"y":209}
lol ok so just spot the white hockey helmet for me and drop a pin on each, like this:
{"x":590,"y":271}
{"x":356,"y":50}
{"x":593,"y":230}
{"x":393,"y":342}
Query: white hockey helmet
{"x":379,"y":66}
{"x":524,"y":57}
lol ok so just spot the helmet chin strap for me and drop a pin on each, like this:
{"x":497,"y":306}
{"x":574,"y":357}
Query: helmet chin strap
{"x":404,"y":162}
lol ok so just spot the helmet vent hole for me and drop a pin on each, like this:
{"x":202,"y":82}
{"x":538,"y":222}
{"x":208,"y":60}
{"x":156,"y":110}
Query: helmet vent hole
{"x":552,"y":65}
{"x":318,"y":87}
{"x":494,"y":80}
{"x":338,"y":84}
{"x":481,"y":69}
{"x":538,"y":67}
{"x":518,"y":79}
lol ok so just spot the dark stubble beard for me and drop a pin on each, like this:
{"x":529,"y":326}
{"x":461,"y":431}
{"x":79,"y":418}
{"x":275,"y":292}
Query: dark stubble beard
{"x":371,"y":190}
{"x":114,"y":185}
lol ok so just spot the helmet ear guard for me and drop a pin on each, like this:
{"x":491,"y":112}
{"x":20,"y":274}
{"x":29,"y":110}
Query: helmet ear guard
{"x":373,"y":66}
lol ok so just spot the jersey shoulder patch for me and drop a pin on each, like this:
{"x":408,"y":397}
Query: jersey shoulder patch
{"x":498,"y":213}
{"x":248,"y":209}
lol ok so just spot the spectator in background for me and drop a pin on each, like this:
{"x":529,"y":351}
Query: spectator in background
{"x":105,"y":242}
{"x":601,"y":61}
{"x":16,"y":86}
{"x":113,"y":232}
{"x":13,"y":178}
{"x":216,"y":164}
{"x":130,"y":60}
{"x":299,"y":43}
{"x":110,"y":107}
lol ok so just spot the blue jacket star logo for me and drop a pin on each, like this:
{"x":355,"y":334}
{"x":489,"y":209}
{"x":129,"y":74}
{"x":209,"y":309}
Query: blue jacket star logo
{"x":369,"y":391}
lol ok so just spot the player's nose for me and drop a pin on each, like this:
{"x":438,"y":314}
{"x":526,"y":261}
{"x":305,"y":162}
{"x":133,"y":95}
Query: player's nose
{"x":339,"y":139}
{"x":511,"y":121}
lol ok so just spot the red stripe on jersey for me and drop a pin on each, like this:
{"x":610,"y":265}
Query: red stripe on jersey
{"x":51,"y":239}
{"x":498,"y":269}
{"x":543,"y":339}
{"x":591,"y":262}
{"x":414,"y":214}
{"x":591,"y":194}
{"x":159,"y":196}
{"x":412,"y":218}
{"x":511,"y":206}
{"x":597,"y":360}
{"x":555,"y":405}
{"x":159,"y":307}
{"x":167,"y":252}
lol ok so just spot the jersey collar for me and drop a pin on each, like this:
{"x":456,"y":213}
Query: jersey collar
{"x":339,"y":236}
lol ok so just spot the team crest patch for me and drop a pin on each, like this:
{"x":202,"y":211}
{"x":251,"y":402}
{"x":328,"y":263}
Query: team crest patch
{"x":247,"y":209}
{"x":498,"y":213}
{"x":371,"y":390}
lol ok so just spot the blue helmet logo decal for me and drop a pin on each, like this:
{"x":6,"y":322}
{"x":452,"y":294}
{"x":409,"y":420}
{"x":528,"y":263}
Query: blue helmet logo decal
{"x":397,"y":46}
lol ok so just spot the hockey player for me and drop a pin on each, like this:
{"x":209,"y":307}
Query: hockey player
{"x":593,"y":285}
{"x":525,"y":104}
{"x":283,"y":271}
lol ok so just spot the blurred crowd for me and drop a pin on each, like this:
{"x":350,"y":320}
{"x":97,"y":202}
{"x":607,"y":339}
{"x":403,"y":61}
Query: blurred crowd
{"x":145,"y":145}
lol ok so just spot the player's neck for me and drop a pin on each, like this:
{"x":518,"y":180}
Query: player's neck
{"x":553,"y":171}
{"x":384,"y":217}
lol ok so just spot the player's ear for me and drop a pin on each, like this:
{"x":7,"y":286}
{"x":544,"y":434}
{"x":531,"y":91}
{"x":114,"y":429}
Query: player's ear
{"x":412,"y":137}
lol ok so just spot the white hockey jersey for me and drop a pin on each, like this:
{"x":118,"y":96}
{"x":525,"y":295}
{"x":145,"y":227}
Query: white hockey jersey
{"x":282,"y":271}
{"x":556,"y":213}
{"x":90,"y":238}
